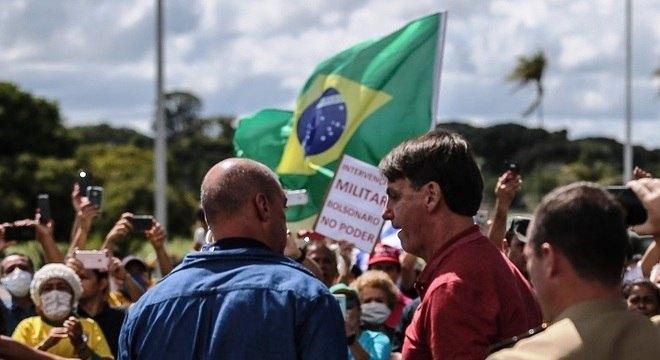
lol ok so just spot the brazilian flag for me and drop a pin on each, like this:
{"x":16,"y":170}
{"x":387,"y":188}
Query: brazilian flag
{"x":362,"y":102}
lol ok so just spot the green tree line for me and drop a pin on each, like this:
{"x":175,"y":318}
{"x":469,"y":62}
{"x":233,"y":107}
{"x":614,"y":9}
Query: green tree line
{"x":41,"y":155}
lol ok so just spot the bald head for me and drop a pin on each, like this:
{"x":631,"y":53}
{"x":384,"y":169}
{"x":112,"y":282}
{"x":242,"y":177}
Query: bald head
{"x":231,"y":184}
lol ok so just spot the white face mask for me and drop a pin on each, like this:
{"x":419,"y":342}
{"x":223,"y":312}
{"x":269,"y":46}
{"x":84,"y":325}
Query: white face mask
{"x":374,"y":313}
{"x":56,"y":304}
{"x":17,"y":282}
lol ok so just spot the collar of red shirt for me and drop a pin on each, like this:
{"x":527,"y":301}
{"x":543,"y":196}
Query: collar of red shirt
{"x":429,"y":273}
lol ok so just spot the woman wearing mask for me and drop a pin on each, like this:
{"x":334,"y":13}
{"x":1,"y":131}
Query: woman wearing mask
{"x":55,"y":290}
{"x":378,"y":296}
{"x":362,"y":344}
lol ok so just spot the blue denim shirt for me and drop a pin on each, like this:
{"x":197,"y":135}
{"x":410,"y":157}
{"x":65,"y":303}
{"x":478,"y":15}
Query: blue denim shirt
{"x":237,"y":300}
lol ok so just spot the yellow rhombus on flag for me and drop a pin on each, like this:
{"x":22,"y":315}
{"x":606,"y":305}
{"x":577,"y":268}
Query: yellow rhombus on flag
{"x":357,"y":100}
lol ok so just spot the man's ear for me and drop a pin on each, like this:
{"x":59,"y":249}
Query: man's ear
{"x":262,"y":205}
{"x":433,"y":196}
{"x":552,"y":260}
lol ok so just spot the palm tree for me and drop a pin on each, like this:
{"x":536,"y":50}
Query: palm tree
{"x":530,"y":69}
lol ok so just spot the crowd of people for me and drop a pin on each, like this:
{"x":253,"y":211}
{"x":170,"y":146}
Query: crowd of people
{"x":560,"y":283}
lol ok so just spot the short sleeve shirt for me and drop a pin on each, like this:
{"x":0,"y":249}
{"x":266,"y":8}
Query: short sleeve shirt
{"x":472,"y":297}
{"x":32,"y":331}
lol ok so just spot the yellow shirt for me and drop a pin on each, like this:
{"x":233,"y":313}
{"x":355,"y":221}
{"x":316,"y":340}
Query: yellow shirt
{"x":117,"y":299}
{"x":33,"y":330}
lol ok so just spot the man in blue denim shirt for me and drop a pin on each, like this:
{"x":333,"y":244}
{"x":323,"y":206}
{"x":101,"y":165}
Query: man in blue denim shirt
{"x":239,"y":298}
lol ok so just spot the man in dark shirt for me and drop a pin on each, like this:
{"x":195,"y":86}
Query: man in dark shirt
{"x":93,"y":302}
{"x":472,"y":296}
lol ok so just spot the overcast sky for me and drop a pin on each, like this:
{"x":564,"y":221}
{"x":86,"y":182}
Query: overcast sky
{"x":96,"y":58}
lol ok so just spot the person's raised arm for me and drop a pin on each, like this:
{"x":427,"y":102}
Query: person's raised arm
{"x":76,"y":200}
{"x":119,"y":231}
{"x":3,"y":242}
{"x":157,"y":238}
{"x":505,"y":191}
{"x":82,"y":225}
{"x":118,"y":272}
{"x":44,"y":235}
{"x":346,"y":252}
{"x":648,"y":192}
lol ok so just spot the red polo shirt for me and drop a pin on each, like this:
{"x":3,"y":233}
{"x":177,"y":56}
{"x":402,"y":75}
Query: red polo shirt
{"x":472,"y":297}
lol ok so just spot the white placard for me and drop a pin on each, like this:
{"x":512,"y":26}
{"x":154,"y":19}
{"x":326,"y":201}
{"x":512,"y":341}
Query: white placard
{"x":354,"y":204}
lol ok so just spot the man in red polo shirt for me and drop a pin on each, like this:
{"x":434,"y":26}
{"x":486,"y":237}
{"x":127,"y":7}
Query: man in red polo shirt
{"x":472,"y":295}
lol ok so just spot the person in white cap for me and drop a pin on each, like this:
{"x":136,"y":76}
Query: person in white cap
{"x":55,"y":290}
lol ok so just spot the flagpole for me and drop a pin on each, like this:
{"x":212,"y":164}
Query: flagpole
{"x":437,"y":68}
{"x":160,"y":188}
{"x":627,"y":151}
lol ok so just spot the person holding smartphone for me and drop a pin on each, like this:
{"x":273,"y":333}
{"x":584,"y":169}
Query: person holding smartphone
{"x":508,"y":185}
{"x":55,"y":291}
{"x":94,"y":304}
{"x":363,"y":344}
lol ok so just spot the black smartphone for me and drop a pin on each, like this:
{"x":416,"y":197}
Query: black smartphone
{"x":20,"y":232}
{"x":511,"y":166}
{"x":43,"y":203}
{"x":141,"y":223}
{"x":95,"y":195}
{"x":83,"y":179}
{"x":634,"y":210}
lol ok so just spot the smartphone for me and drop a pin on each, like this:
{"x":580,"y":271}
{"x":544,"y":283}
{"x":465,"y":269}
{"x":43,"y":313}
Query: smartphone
{"x":296,"y":197}
{"x":141,"y":223}
{"x":95,"y":195}
{"x":83,"y":179}
{"x":93,"y":259}
{"x":511,"y":166}
{"x":20,"y":232}
{"x":341,"y":300}
{"x":43,"y":203}
{"x":634,"y":210}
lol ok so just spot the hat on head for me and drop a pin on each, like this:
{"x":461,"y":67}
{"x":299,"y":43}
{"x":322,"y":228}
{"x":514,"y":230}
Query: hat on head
{"x":55,"y":271}
{"x":384,"y":253}
{"x":311,"y":234}
{"x":132,"y":258}
{"x":352,"y":297}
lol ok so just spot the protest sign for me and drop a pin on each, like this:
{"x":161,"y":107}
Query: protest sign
{"x":354,"y":204}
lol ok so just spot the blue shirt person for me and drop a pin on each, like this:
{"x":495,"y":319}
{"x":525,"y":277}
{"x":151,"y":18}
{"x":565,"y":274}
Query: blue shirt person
{"x":240,"y":298}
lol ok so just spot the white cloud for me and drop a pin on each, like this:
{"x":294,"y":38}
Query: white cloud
{"x":96,"y":58}
{"x":594,"y":100}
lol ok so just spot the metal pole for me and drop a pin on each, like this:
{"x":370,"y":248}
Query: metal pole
{"x":437,"y":68}
{"x":160,"y":151}
{"x":627,"y":151}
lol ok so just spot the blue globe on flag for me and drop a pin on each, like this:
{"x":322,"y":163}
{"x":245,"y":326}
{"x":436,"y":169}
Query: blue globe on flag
{"x":322,"y":123}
